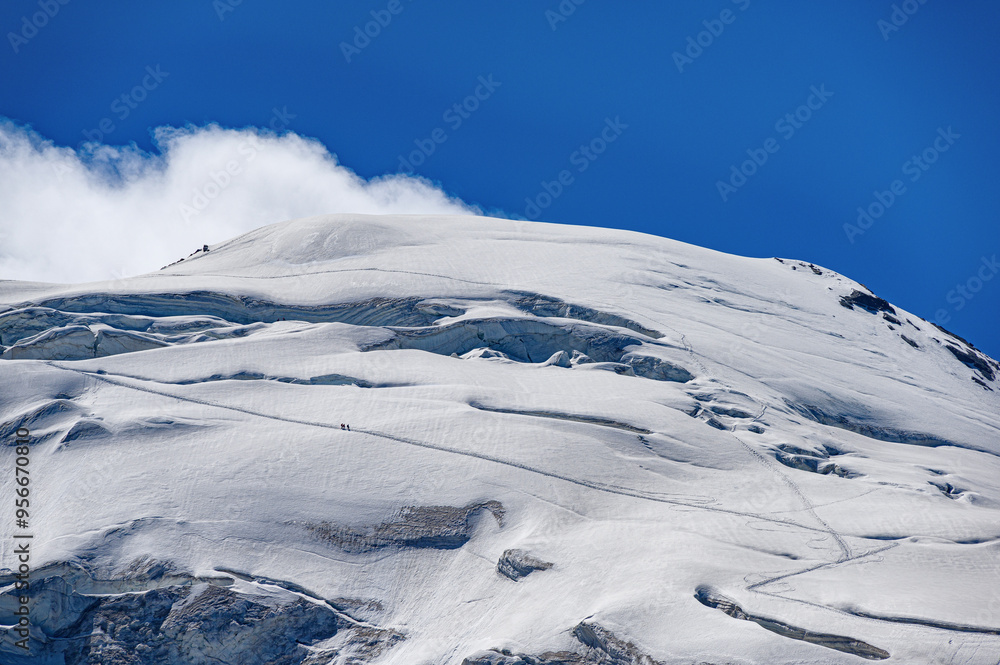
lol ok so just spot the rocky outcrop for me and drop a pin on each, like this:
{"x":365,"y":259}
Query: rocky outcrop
{"x":149,"y":614}
{"x":866,"y":301}
{"x":517,"y":564}
{"x":435,"y":527}
{"x":606,"y":648}
{"x":712,"y":598}
{"x":973,"y":360}
{"x":598,"y":646}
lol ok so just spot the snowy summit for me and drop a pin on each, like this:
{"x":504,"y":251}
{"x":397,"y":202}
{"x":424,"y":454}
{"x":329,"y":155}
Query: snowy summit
{"x":566,"y":445}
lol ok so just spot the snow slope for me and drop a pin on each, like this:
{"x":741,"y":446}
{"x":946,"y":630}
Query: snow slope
{"x":567,"y":445}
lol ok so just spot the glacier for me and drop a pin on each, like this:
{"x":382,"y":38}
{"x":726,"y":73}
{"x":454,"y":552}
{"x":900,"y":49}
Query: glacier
{"x":568,"y":445}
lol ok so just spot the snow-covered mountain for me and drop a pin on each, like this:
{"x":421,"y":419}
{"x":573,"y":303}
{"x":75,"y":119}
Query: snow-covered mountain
{"x":567,"y":445}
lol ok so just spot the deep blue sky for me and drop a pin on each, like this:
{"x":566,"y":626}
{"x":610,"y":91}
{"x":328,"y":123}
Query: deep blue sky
{"x":890,"y":97}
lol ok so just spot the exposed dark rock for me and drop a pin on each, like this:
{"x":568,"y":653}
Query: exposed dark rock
{"x":192,"y":622}
{"x":329,"y":380}
{"x":910,"y":342}
{"x":711,"y":598}
{"x":916,"y":621}
{"x":608,"y":649}
{"x":973,"y":360}
{"x":322,"y":380}
{"x":516,"y":564}
{"x":505,"y":657}
{"x":358,"y":639}
{"x":891,"y":319}
{"x":434,"y":527}
{"x":600,"y":647}
{"x":953,"y":335}
{"x":869,"y":303}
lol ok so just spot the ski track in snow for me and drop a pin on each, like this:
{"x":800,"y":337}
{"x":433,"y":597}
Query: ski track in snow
{"x":339,"y":270}
{"x":601,"y":487}
{"x":847,"y":557}
{"x":845,"y":550}
{"x":864,"y":616}
{"x":723,"y":293}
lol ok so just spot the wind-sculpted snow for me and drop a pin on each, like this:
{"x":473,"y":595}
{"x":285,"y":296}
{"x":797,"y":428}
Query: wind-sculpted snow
{"x":537,"y":341}
{"x":844,"y":419}
{"x":42,"y":333}
{"x":429,"y":441}
{"x":813,"y":461}
{"x":323,"y":380}
{"x":244,"y":310}
{"x":42,"y":419}
{"x":659,"y":369}
{"x":541,"y":305}
{"x":593,"y":420}
{"x":99,"y":325}
{"x":523,"y":340}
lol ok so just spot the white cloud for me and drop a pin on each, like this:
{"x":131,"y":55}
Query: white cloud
{"x":102,"y":212}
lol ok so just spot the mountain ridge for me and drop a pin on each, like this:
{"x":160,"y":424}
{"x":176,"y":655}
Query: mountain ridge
{"x":760,"y":436}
